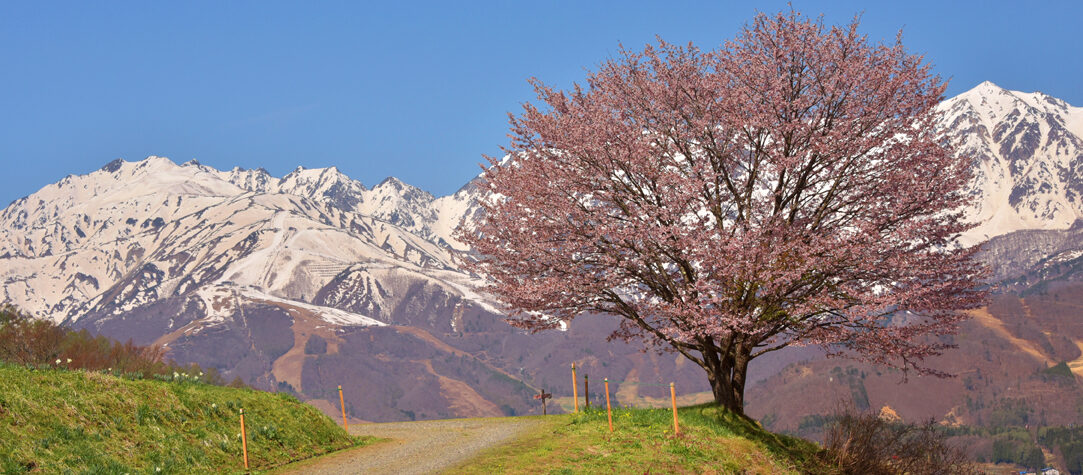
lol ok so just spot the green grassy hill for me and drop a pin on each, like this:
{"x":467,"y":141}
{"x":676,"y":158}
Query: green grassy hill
{"x":712,"y":440}
{"x":57,"y":421}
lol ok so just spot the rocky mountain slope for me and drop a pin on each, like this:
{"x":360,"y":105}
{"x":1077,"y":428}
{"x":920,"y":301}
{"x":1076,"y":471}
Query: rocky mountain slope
{"x":312,"y":280}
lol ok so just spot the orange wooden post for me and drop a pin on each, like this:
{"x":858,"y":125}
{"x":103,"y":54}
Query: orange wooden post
{"x":244,"y":441}
{"x":342,"y":404}
{"x":608,"y":409}
{"x":586,"y":389}
{"x":673,"y":396}
{"x":575,"y":389}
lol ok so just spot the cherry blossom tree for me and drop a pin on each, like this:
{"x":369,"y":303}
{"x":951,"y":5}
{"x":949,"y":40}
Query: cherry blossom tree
{"x":787,"y":188}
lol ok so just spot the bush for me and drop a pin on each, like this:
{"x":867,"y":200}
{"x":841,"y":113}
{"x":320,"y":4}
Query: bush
{"x":865,"y":444}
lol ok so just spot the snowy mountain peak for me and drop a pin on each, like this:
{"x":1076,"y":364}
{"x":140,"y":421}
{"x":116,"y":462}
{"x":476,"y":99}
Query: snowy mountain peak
{"x":997,"y":103}
{"x":392,"y":181}
{"x":112,"y":166}
{"x":394,"y":186}
{"x":985,"y":88}
{"x":1028,"y":156}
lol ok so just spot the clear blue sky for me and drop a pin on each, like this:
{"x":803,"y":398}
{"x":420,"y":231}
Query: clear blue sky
{"x":417,"y":90}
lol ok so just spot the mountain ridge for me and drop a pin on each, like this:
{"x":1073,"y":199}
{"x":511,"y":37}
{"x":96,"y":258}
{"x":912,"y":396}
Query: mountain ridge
{"x":183,"y":207}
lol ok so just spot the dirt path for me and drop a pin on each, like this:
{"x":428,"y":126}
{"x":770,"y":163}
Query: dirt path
{"x":416,"y":447}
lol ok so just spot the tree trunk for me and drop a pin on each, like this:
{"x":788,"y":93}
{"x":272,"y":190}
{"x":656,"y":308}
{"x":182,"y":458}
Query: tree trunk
{"x":726,"y":374}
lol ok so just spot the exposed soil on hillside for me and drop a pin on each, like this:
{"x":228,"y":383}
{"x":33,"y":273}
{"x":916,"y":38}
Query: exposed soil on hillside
{"x":305,"y":325}
{"x":983,"y":317}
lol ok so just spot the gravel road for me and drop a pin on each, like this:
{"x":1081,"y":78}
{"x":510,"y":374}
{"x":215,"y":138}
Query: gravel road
{"x":416,"y":447}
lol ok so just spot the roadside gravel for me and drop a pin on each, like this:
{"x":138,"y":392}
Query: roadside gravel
{"x":416,"y":447}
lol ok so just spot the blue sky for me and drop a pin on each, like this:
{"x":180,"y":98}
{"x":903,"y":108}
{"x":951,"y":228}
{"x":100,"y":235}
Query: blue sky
{"x":417,"y":90}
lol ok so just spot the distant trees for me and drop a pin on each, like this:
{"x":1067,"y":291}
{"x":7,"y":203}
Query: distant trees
{"x":1007,"y":449}
{"x":33,"y":342}
{"x":786,"y":188}
{"x":1068,"y":441}
{"x":26,"y":341}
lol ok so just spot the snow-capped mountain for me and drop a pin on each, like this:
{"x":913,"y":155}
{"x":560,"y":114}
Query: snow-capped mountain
{"x":1028,"y":157}
{"x":131,"y":234}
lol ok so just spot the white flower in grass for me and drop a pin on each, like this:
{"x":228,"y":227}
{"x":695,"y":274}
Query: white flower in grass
{"x":58,"y":361}
{"x":69,"y":360}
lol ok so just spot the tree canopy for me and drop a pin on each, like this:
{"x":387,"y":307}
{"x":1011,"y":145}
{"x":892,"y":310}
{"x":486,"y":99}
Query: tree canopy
{"x":786,"y":188}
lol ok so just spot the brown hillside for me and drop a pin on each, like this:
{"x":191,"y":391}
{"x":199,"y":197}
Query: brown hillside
{"x":999,"y":365}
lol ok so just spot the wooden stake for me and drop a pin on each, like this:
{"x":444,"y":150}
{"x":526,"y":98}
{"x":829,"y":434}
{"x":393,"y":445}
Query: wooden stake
{"x":244,"y":441}
{"x":586,"y":389}
{"x":608,"y":409}
{"x":342,"y":403}
{"x":673,"y":396}
{"x":575,"y":389}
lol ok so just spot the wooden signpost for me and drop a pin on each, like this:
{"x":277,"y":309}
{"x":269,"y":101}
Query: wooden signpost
{"x":586,"y":389}
{"x":543,"y":396}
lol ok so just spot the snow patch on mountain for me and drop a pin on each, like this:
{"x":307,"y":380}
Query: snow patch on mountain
{"x":223,"y":300}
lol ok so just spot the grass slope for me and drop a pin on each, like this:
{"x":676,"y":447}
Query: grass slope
{"x":55,"y":421}
{"x":712,"y":440}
